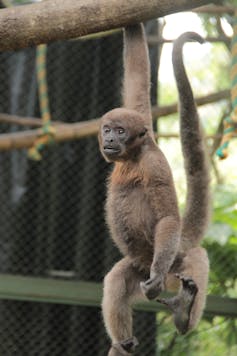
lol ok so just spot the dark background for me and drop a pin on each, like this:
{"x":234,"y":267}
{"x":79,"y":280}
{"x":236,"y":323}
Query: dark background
{"x":51,"y":212}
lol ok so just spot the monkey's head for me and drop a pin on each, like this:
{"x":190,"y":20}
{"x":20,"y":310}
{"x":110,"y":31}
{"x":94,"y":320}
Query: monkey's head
{"x":122,"y":134}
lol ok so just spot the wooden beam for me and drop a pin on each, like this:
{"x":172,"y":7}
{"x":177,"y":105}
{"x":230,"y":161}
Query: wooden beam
{"x":50,"y":290}
{"x":53,"y":20}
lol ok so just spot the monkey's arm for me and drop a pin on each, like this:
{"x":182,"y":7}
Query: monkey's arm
{"x":196,"y":213}
{"x":136,"y":85}
{"x":166,"y":244}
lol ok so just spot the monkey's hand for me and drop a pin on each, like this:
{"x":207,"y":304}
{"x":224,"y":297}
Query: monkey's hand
{"x":153,"y":286}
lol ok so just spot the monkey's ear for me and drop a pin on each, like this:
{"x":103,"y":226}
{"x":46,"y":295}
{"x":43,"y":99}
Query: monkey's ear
{"x":144,"y":131}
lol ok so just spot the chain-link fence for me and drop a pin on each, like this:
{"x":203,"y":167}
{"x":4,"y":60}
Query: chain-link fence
{"x":51,"y":213}
{"x":52,"y":216}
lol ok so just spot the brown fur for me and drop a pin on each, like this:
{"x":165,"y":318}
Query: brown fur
{"x":197,"y":211}
{"x":196,"y":215}
{"x":141,"y":208}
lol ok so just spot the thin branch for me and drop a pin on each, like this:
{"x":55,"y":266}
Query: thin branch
{"x":25,"y":121}
{"x":214,"y":9}
{"x":68,"y":132}
{"x":219,"y":179}
{"x":174,"y":135}
{"x":156,"y":111}
{"x":172,"y":343}
{"x":208,"y":99}
{"x":154,"y":40}
{"x":219,"y":133}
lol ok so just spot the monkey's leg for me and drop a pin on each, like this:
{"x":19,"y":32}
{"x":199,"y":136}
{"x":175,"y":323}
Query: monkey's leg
{"x":188,"y":305}
{"x":181,"y":304}
{"x":121,"y":287}
{"x":196,"y":264}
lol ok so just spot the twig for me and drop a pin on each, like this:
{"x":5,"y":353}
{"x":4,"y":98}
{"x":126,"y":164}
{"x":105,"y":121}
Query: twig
{"x":214,"y":9}
{"x":154,"y":40}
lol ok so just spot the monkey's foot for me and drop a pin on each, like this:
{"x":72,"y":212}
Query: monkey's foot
{"x":152,"y":287}
{"x":181,"y":304}
{"x":125,"y":347}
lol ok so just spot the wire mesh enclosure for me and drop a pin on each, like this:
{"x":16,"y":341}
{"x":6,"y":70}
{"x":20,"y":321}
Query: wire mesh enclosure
{"x":52,"y":216}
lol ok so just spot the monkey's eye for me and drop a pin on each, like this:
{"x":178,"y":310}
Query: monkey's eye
{"x":106,"y":129}
{"x":143,"y":133}
{"x":121,"y":130}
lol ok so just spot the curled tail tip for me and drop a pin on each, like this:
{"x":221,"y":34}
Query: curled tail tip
{"x":188,"y":36}
{"x":178,"y":47}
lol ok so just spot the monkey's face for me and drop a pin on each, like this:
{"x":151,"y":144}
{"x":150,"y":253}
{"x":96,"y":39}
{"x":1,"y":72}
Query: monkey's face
{"x":122,"y":134}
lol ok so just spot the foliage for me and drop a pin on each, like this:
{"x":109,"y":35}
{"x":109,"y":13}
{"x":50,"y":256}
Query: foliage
{"x":221,"y":242}
{"x":215,"y":335}
{"x":9,"y":3}
{"x":232,"y":2}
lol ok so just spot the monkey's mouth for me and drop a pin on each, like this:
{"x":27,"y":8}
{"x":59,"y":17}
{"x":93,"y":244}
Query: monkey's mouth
{"x":109,"y":150}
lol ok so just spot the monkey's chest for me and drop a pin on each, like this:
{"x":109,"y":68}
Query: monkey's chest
{"x":131,"y":221}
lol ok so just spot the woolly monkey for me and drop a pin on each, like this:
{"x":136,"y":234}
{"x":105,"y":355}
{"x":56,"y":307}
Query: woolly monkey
{"x":141,"y":208}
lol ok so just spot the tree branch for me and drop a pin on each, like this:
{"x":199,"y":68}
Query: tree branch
{"x":156,"y":111}
{"x":25,"y":121}
{"x":53,"y":20}
{"x":69,"y":132}
{"x":203,"y":100}
{"x":63,"y":133}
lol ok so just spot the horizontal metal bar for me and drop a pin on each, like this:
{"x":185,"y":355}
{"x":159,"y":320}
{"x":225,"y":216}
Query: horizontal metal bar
{"x":52,"y":290}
